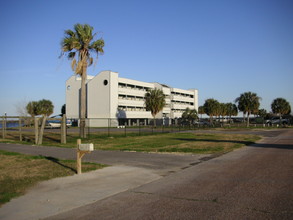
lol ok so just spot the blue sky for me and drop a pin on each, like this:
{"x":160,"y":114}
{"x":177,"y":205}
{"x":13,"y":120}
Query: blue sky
{"x":221,"y":47}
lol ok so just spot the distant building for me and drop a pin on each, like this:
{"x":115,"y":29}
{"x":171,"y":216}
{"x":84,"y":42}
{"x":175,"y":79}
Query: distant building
{"x":122,"y":100}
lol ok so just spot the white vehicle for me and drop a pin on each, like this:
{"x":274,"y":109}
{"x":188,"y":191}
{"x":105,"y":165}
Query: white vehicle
{"x":276,"y":120}
{"x":57,"y":124}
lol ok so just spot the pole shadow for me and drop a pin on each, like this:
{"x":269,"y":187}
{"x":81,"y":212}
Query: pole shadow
{"x":57,"y":161}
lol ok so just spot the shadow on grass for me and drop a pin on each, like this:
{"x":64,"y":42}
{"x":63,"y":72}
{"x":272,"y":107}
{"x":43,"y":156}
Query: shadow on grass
{"x":57,"y":161}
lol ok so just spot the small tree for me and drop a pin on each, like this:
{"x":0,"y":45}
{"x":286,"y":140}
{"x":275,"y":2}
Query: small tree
{"x":201,"y":111}
{"x":211,"y":108}
{"x":231,"y":110}
{"x":262,"y":113}
{"x":33,"y":108}
{"x":189,"y":115}
{"x":43,"y":107}
{"x":281,"y":107}
{"x":248,"y":103}
{"x":155,"y":102}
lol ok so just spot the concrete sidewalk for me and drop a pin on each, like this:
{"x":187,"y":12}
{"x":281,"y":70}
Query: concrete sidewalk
{"x":63,"y":194}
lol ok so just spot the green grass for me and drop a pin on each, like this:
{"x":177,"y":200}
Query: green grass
{"x":160,"y":142}
{"x":20,"y":172}
{"x":176,"y":142}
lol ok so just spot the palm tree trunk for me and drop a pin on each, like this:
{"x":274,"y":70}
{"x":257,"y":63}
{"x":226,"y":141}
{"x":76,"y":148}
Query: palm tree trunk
{"x":83,"y":104}
{"x":248,"y":119}
{"x":41,"y":132}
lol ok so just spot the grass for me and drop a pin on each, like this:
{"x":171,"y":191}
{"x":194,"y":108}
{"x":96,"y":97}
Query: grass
{"x":19,"y":172}
{"x":157,"y":142}
{"x":178,"y":142}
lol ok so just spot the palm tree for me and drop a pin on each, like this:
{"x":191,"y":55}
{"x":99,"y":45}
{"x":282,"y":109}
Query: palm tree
{"x":32,"y":108}
{"x":248,"y":103}
{"x":155,"y":102}
{"x":231,"y":110}
{"x":201,"y":111}
{"x":281,"y":107}
{"x":211,"y":108}
{"x":189,"y":115}
{"x":223,"y":110}
{"x":46,"y":108}
{"x":262,"y":113}
{"x":43,"y":107}
{"x":80,"y":43}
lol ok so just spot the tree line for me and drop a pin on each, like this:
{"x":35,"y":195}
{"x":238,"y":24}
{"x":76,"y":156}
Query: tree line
{"x":248,"y":103}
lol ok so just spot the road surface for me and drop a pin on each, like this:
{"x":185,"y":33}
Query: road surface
{"x":255,"y":182}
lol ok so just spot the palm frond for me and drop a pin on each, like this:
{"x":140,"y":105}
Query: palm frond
{"x":71,"y":55}
{"x":73,"y":64}
{"x":97,"y":46}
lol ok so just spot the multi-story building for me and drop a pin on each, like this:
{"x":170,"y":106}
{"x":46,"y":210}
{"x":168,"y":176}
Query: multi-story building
{"x":122,"y":100}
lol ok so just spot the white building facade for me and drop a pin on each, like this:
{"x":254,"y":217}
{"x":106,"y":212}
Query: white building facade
{"x":122,"y":100}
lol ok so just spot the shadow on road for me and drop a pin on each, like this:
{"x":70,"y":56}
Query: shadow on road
{"x":215,"y":141}
{"x":278,"y":146}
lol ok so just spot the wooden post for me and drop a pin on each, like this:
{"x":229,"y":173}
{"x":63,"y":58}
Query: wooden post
{"x":82,"y":149}
{"x":78,"y":158}
{"x":3,"y":125}
{"x":36,"y":130}
{"x":63,"y":129}
{"x":20,"y":130}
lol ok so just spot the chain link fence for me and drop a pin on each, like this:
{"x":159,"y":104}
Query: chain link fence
{"x":23,"y":128}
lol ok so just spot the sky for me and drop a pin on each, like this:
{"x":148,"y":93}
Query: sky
{"x":223,"y":48}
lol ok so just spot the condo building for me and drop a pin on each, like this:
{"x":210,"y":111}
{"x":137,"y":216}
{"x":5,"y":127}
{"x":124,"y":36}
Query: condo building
{"x":122,"y":100}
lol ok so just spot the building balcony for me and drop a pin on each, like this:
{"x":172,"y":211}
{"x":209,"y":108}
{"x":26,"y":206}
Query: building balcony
{"x":182,"y":98}
{"x":129,"y":102}
{"x":131,"y":91}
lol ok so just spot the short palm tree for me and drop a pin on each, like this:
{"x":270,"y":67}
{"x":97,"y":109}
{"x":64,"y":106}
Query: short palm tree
{"x":248,"y":103}
{"x":189,"y":115}
{"x":78,"y":44}
{"x":201,"y":110}
{"x":155,"y":102}
{"x":43,"y":107}
{"x":281,"y":107}
{"x":231,"y":110}
{"x":211,"y":108}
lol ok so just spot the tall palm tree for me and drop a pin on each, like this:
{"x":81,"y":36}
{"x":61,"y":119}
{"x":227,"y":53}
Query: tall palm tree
{"x":281,"y":107}
{"x":248,"y":103}
{"x":155,"y":102}
{"x":78,"y":44}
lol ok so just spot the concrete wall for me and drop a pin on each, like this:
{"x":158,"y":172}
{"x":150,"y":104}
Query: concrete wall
{"x":73,"y":85}
{"x":103,"y":95}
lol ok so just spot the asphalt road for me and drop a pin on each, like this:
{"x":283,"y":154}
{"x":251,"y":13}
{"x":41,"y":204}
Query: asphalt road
{"x":255,"y":182}
{"x":160,"y":163}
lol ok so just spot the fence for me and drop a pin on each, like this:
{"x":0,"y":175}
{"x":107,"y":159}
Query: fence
{"x":24,"y":129}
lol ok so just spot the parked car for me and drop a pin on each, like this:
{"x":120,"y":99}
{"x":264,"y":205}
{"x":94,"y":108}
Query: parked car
{"x":276,"y":120}
{"x":53,"y":123}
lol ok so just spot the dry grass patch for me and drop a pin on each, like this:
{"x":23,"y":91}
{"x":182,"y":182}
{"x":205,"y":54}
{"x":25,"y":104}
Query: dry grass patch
{"x":19,"y":172}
